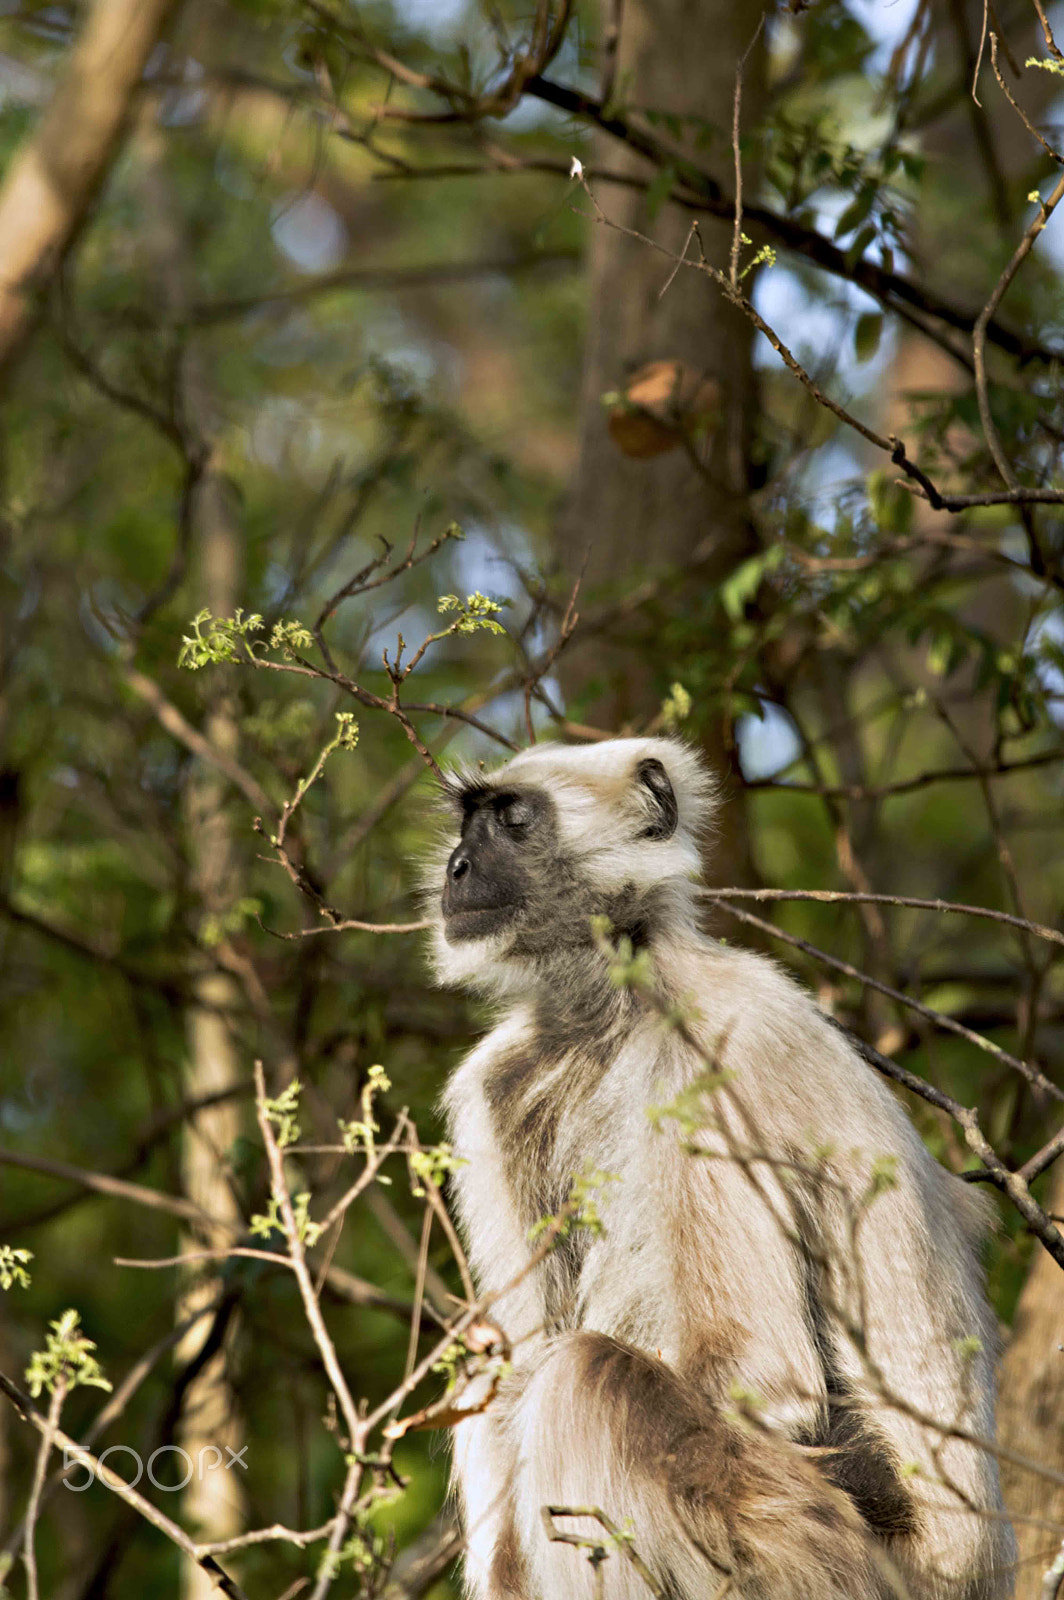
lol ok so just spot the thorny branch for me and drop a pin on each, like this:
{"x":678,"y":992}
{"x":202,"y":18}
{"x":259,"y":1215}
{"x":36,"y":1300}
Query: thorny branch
{"x":694,"y":187}
{"x":892,"y":445}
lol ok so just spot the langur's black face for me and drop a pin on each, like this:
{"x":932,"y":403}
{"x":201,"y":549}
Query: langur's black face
{"x":507,"y":838}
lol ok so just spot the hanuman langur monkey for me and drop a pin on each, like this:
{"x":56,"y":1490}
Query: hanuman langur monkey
{"x":771,"y":1362}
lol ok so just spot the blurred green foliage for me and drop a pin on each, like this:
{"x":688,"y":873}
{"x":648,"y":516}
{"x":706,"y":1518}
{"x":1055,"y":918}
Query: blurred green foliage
{"x":249,"y":301}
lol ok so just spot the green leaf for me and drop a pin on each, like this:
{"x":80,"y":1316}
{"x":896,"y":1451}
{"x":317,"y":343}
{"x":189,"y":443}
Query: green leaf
{"x":855,"y":213}
{"x":860,"y":245}
{"x":867,"y":333}
{"x":13,"y":1264}
{"x":67,"y":1358}
{"x":890,"y":503}
{"x":744,"y":582}
{"x":659,"y":192}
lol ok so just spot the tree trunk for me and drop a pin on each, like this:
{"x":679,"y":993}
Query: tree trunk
{"x":210,"y":1424}
{"x":984,"y":150}
{"x":634,"y":518}
{"x":1032,"y":1411}
{"x":213,"y":1502}
{"x":53,"y":178}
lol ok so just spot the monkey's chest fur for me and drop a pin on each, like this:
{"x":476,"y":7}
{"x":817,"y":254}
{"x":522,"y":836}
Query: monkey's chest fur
{"x":534,"y":1108}
{"x":529,"y":1097}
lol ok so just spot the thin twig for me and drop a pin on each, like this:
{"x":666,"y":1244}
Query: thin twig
{"x":546,"y":661}
{"x":350,"y":925}
{"x":1051,"y":43}
{"x":891,"y":445}
{"x":297,"y":1536}
{"x":170,"y":718}
{"x":833,"y":896}
{"x":737,"y":101}
{"x":1011,"y":1183}
{"x":620,"y":1541}
{"x":939,"y":1018}
{"x":1042,"y":1159}
{"x":1019,"y":255}
{"x":115,"y":1406}
{"x":426,"y":1181}
{"x":856,"y":791}
{"x":979,"y":54}
{"x":311,"y":1308}
{"x":44,"y":1450}
{"x":106,"y":1475}
{"x":1014,"y":103}
{"x":118,"y":1188}
{"x":368,"y":1173}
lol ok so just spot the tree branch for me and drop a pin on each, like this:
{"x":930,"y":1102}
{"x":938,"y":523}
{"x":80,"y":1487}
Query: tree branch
{"x":54,"y":177}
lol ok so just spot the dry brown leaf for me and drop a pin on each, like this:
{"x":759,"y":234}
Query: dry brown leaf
{"x":661,"y":402}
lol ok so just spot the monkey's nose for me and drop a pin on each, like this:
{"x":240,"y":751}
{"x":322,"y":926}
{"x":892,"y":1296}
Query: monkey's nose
{"x":458,"y":867}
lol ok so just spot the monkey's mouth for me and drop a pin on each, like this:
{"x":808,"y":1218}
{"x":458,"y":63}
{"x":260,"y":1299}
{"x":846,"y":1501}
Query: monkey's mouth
{"x":465,"y":921}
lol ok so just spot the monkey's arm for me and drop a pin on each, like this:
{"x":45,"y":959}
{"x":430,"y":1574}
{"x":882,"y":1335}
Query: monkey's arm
{"x":599,"y":1424}
{"x":913,"y":1349}
{"x":885,"y":1244}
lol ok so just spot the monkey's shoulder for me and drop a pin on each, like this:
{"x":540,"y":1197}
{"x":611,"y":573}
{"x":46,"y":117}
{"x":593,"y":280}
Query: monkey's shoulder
{"x":761,"y":1027}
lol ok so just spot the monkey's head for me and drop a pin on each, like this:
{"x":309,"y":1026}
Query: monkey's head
{"x":559,"y":835}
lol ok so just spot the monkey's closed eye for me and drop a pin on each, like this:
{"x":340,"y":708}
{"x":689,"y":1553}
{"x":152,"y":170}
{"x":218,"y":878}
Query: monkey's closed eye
{"x":660,"y":800}
{"x":513,"y":812}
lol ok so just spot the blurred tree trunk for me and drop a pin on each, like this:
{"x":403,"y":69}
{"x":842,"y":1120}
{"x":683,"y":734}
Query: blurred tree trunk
{"x":986,"y":150}
{"x":1032,"y":1409}
{"x":638,"y":517}
{"x":213,"y":1502}
{"x":52,"y":180}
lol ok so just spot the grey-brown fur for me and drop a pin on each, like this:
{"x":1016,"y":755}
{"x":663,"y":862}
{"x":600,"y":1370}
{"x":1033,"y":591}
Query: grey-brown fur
{"x":748,"y":1362}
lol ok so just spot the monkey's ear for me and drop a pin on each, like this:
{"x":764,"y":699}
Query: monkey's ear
{"x":659,"y":800}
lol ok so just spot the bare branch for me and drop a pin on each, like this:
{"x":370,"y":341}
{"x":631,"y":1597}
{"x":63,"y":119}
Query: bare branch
{"x":621,"y":1544}
{"x":979,"y":332}
{"x":44,"y":1450}
{"x":939,"y":1018}
{"x":180,"y":728}
{"x":118,"y":1188}
{"x":107,"y":1475}
{"x":834,"y":896}
{"x":922,"y":780}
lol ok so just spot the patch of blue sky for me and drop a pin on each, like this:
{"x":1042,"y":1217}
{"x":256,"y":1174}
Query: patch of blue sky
{"x":830,"y":477}
{"x":767,"y":744}
{"x":825,"y":346}
{"x":490,"y":559}
{"x":309,"y":232}
{"x":885,"y":21}
{"x":1049,"y":630}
